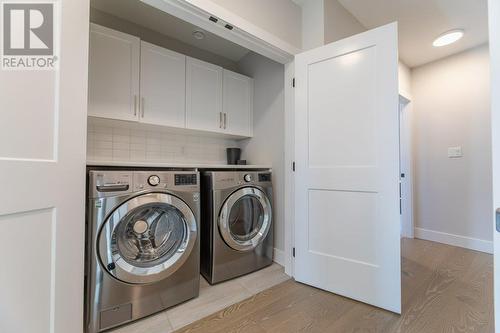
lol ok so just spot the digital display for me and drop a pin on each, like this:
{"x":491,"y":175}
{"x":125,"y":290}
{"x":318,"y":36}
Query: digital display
{"x":191,"y":179}
{"x":264,"y":177}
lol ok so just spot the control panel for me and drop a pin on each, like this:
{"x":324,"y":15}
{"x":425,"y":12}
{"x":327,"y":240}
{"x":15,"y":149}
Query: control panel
{"x":264,"y":177}
{"x":163,"y":180}
{"x":186,"y":179}
{"x":229,"y":179}
{"x":113,"y":182}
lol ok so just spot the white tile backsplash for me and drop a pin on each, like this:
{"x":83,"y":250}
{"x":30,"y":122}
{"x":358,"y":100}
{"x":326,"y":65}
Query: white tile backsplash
{"x":106,"y":141}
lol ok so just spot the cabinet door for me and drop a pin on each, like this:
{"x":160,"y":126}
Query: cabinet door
{"x":237,"y":104}
{"x":163,"y":86}
{"x":203,"y":96}
{"x":113,"y":74}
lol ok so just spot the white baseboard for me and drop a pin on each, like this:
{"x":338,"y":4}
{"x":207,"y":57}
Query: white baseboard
{"x":279,"y":257}
{"x":455,"y":240}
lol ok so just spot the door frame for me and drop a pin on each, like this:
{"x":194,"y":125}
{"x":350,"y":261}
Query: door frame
{"x":494,"y":39}
{"x":405,"y":144}
{"x":289,"y":167}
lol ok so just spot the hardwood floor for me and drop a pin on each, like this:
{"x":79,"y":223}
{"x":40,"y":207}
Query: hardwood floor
{"x":445,"y":289}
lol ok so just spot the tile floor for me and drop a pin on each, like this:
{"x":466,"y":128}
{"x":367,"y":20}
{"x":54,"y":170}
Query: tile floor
{"x":211,"y":300}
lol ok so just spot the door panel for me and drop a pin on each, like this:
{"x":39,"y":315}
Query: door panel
{"x":337,"y":114}
{"x":163,"y":86}
{"x":335,"y":240}
{"x":42,"y":210}
{"x":114,"y":74}
{"x":347,"y":162}
{"x":20,"y":287}
{"x":203,"y":96}
{"x":19,"y":117}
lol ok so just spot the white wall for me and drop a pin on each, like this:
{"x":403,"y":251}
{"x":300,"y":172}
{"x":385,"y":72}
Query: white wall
{"x":313,"y":24}
{"x":451,"y":107}
{"x":268,"y":144}
{"x":326,"y":21}
{"x":339,"y":23}
{"x":282,"y":18}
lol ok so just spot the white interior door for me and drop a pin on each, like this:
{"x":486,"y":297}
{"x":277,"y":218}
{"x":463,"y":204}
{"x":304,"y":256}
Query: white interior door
{"x":42,"y":175}
{"x":494,"y":30}
{"x":163,"y":86}
{"x":347,"y":232}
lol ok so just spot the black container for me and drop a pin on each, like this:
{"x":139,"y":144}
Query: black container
{"x":233,"y":155}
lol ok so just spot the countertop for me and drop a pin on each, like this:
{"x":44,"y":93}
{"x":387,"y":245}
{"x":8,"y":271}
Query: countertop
{"x":104,"y":163}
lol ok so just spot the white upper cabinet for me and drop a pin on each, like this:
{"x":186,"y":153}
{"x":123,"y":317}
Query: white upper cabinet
{"x":203,"y":96}
{"x":163,"y":86}
{"x":237,"y":105}
{"x":133,"y":80}
{"x":113,"y":74}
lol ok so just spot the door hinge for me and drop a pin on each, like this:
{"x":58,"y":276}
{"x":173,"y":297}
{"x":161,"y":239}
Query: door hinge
{"x":293,"y":82}
{"x":293,"y":252}
{"x":293,"y":166}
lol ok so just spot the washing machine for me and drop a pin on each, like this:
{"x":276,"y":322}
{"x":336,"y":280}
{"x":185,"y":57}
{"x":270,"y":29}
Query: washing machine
{"x":142,"y":251}
{"x":237,"y":223}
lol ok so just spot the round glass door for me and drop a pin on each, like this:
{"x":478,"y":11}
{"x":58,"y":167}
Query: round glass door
{"x":245,"y":219}
{"x":147,"y":238}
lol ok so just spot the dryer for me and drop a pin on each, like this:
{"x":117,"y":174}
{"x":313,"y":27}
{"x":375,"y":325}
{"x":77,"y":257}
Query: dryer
{"x":142,"y":251}
{"x":237,"y":223}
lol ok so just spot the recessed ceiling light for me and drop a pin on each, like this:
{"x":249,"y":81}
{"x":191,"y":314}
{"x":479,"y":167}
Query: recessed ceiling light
{"x":448,"y":37}
{"x":198,"y":34}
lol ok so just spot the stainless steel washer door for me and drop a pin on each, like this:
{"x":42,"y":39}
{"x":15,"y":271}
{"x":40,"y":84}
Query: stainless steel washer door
{"x":245,"y":218}
{"x":147,"y":238}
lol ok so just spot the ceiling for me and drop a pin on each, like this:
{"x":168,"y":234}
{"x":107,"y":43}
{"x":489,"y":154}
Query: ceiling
{"x":156,"y":20}
{"x":421,"y":21}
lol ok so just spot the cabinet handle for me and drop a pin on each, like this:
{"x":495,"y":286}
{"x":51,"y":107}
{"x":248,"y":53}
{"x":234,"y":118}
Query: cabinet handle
{"x":225,"y":120}
{"x":142,"y":106}
{"x":135,"y":105}
{"x":220,"y":119}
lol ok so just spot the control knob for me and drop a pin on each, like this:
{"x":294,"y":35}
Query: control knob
{"x":154,"y":180}
{"x":247,"y":178}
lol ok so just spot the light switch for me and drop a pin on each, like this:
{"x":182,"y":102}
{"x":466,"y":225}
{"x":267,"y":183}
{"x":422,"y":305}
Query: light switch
{"x":454,"y":152}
